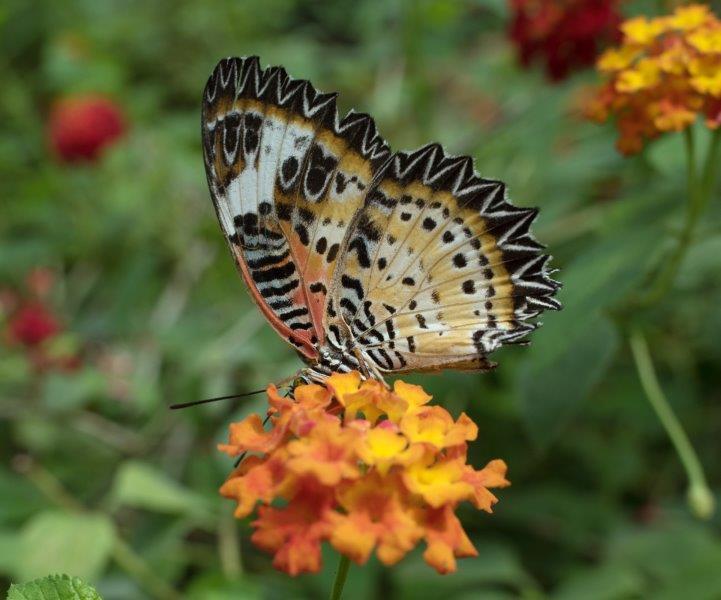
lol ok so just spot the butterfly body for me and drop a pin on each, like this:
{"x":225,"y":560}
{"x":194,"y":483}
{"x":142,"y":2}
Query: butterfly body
{"x":360,"y":258}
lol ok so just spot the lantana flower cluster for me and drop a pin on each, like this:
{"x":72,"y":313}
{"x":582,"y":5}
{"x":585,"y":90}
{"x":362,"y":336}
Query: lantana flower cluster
{"x":665,"y":73}
{"x":361,"y":467}
{"x":565,"y":34}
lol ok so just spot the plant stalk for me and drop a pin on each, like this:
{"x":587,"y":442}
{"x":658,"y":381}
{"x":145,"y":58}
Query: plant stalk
{"x":340,"y":576}
{"x":667,"y":274}
{"x":699,"y":495}
{"x":711,"y":166}
{"x":229,"y":545}
{"x":699,"y":192}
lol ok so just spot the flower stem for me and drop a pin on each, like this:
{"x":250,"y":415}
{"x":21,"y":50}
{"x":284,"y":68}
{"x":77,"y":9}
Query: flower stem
{"x":699,"y":191}
{"x":134,"y":565}
{"x":699,"y":496}
{"x":690,"y":142}
{"x":340,"y":577}
{"x":710,"y":170}
{"x":229,"y":545}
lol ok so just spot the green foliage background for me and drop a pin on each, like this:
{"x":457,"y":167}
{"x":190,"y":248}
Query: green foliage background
{"x":100,"y":480}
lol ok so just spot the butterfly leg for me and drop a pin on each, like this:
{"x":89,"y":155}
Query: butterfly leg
{"x":368,"y":369}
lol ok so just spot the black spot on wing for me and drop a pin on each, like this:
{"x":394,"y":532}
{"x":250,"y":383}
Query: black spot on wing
{"x":288,"y":171}
{"x":284,"y":210}
{"x":351,"y":283}
{"x":271,"y":291}
{"x":302,"y":232}
{"x":273,"y":273}
{"x":251,"y":133}
{"x":292,"y":314}
{"x":317,"y":286}
{"x":318,"y":173}
{"x":429,"y":224}
{"x":359,"y":247}
{"x":332,"y":253}
{"x":231,"y":136}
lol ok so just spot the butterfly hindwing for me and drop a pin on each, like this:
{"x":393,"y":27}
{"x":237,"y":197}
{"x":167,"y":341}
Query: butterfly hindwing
{"x":440,"y":270}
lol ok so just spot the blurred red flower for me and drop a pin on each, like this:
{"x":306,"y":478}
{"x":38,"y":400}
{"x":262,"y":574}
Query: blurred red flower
{"x":32,"y":324}
{"x":81,"y":126}
{"x":565,"y":34}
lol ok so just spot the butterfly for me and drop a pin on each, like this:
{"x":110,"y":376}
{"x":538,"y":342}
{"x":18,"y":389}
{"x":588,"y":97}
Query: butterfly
{"x":362,"y":258}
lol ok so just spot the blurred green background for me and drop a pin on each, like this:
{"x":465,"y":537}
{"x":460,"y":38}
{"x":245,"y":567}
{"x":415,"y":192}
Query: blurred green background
{"x":99,"y":479}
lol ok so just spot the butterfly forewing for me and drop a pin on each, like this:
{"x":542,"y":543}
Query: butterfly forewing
{"x":286,"y":178}
{"x":239,"y":111}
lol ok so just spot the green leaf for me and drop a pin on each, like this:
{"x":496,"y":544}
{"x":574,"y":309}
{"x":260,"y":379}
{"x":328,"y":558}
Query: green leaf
{"x":214,"y":586}
{"x":700,"y":581}
{"x":678,"y":558}
{"x":496,"y":564}
{"x":667,"y":551}
{"x":567,"y":365}
{"x":8,"y":548}
{"x":573,"y":518}
{"x":20,"y":499}
{"x":53,"y":587}
{"x":702,"y":263}
{"x":607,"y":582}
{"x":141,"y":485}
{"x":667,"y":154}
{"x":63,"y":392}
{"x":66,"y":543}
{"x":573,"y":352}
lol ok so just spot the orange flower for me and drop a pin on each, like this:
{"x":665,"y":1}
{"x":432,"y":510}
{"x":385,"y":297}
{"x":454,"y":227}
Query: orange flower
{"x":438,"y":482}
{"x":433,"y":425}
{"x":446,"y":539}
{"x":362,"y":467}
{"x":491,"y":476}
{"x":377,"y":513}
{"x":294,"y":533}
{"x":665,"y":73}
{"x":328,"y":454}
{"x":255,"y":479}
{"x":385,"y":446}
{"x":249,"y":436}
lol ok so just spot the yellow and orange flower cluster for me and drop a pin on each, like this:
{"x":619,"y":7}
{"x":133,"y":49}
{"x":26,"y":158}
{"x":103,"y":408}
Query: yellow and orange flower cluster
{"x":361,"y":467}
{"x":666,"y":72}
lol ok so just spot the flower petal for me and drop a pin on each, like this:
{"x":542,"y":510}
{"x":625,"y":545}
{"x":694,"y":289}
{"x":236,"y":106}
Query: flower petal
{"x":446,"y":539}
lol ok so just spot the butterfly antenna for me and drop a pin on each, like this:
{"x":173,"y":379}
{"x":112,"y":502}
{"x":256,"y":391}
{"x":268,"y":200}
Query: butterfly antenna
{"x":208,"y":400}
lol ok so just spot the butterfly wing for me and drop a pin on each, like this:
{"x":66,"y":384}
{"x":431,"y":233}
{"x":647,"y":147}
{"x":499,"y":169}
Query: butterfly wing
{"x":439,"y":269}
{"x":286,"y":178}
{"x":337,"y":171}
